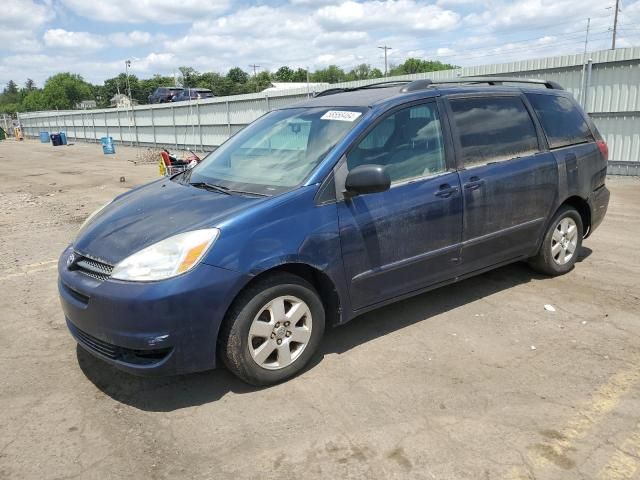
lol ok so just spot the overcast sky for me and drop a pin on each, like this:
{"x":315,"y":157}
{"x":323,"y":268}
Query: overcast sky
{"x":41,"y":37}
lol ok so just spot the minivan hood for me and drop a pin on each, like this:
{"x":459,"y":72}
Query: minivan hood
{"x":152,"y":213}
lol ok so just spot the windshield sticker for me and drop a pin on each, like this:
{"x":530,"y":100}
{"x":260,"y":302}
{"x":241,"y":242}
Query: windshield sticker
{"x":340,"y":115}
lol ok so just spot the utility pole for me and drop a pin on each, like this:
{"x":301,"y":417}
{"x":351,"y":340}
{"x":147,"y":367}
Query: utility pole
{"x":255,"y":69}
{"x":583,"y":95}
{"x":615,"y":25}
{"x":127,"y":64}
{"x":255,"y":73}
{"x":385,"y":48}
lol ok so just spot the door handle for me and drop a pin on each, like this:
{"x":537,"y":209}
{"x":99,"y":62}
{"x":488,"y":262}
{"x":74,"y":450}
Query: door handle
{"x":446,"y":190}
{"x":474,"y":183}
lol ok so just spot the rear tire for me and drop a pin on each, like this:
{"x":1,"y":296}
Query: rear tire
{"x":561,"y":244}
{"x":272,"y":329}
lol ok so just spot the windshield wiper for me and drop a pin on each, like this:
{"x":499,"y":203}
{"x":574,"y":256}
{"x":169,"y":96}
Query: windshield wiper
{"x":250,"y":193}
{"x":227,"y":191}
{"x":212,"y":187}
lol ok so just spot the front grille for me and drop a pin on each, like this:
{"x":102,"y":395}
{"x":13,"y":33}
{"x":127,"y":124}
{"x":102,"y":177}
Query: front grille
{"x":114,"y":352}
{"x":93,"y":268}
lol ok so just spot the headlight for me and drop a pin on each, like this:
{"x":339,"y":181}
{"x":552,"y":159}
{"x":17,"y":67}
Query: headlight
{"x":168,"y":258}
{"x":95,"y":212}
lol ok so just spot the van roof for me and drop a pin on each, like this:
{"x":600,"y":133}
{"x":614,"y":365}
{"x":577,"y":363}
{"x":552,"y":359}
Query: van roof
{"x":369,"y":96}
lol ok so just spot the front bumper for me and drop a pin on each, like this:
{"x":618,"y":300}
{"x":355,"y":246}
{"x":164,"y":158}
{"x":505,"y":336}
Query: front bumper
{"x":598,"y":204}
{"x":152,"y":328}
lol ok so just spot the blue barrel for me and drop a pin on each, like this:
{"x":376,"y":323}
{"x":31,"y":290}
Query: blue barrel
{"x":44,"y":137}
{"x":55,"y":139}
{"x":108,"y":147}
{"x":63,"y":138}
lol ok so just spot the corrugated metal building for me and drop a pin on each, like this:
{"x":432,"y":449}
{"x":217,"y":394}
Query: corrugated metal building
{"x":611,"y":83}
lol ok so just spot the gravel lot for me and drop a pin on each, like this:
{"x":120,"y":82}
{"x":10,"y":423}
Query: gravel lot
{"x":473,"y":381}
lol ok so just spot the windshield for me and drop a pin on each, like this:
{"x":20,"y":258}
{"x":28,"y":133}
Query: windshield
{"x":278,"y":151}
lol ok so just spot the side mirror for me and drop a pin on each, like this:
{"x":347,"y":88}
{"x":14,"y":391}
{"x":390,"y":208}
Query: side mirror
{"x":367,"y":179}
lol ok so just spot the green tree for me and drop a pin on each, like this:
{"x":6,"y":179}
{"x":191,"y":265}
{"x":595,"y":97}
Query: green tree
{"x":331,"y":74}
{"x":237,"y":75}
{"x":64,"y":90}
{"x":188,"y":77}
{"x":361,"y":72}
{"x":258,"y":83}
{"x":416,"y":65}
{"x":284,"y":74}
{"x":376,"y":73}
{"x":215,"y":82}
{"x":30,"y":85}
{"x":11,"y":88}
{"x":10,"y":93}
{"x":300,"y":75}
{"x":33,"y":101}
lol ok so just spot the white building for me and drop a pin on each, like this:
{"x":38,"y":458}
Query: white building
{"x":120,"y":100}
{"x":281,"y":86}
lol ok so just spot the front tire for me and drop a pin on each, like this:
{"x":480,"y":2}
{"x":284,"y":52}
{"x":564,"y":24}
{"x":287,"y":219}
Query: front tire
{"x":559,"y":250}
{"x":272,"y":329}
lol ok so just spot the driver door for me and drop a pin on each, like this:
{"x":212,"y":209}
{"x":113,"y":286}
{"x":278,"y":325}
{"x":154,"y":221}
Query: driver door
{"x":408,"y":237}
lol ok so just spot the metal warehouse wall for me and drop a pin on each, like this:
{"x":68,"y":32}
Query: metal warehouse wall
{"x":613,"y":100}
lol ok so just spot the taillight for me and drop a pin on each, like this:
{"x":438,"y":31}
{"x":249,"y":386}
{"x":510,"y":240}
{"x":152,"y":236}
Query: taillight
{"x":604,"y":150}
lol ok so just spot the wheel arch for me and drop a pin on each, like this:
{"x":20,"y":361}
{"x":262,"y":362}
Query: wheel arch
{"x":323,"y":283}
{"x":583,"y":209}
{"x":582,"y":206}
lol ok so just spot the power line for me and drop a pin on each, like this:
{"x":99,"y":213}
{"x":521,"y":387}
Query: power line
{"x":562,"y":36}
{"x":510,"y":31}
{"x":568,"y":41}
{"x":520,"y":50}
{"x":543,"y":29}
{"x":577,"y":33}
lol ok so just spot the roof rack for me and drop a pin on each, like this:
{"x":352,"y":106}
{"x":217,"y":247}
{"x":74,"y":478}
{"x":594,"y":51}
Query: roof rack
{"x":425,"y":83}
{"x":414,"y":85}
{"x":390,"y":83}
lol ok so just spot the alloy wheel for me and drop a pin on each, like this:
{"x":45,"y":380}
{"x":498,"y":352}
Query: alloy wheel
{"x":280,"y":332}
{"x":564,"y":241}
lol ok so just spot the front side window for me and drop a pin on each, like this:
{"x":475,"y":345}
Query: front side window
{"x":278,"y":151}
{"x":408,"y":143}
{"x":561,"y":120}
{"x":493,"y":129}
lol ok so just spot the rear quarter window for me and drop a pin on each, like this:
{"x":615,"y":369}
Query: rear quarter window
{"x":493,"y":129}
{"x":561,"y":119}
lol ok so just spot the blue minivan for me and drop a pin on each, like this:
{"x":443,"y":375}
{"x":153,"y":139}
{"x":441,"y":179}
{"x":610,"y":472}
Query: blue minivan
{"x":320,"y":211}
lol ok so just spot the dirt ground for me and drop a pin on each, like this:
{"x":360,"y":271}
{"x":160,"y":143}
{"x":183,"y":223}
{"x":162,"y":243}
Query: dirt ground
{"x":473,"y":381}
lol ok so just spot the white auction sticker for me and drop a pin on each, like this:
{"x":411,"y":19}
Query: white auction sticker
{"x":341,"y":115}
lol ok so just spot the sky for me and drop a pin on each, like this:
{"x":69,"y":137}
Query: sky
{"x":39,"y":38}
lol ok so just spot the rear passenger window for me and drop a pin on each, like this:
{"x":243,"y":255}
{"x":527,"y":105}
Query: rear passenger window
{"x":561,"y":120}
{"x":493,"y":129}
